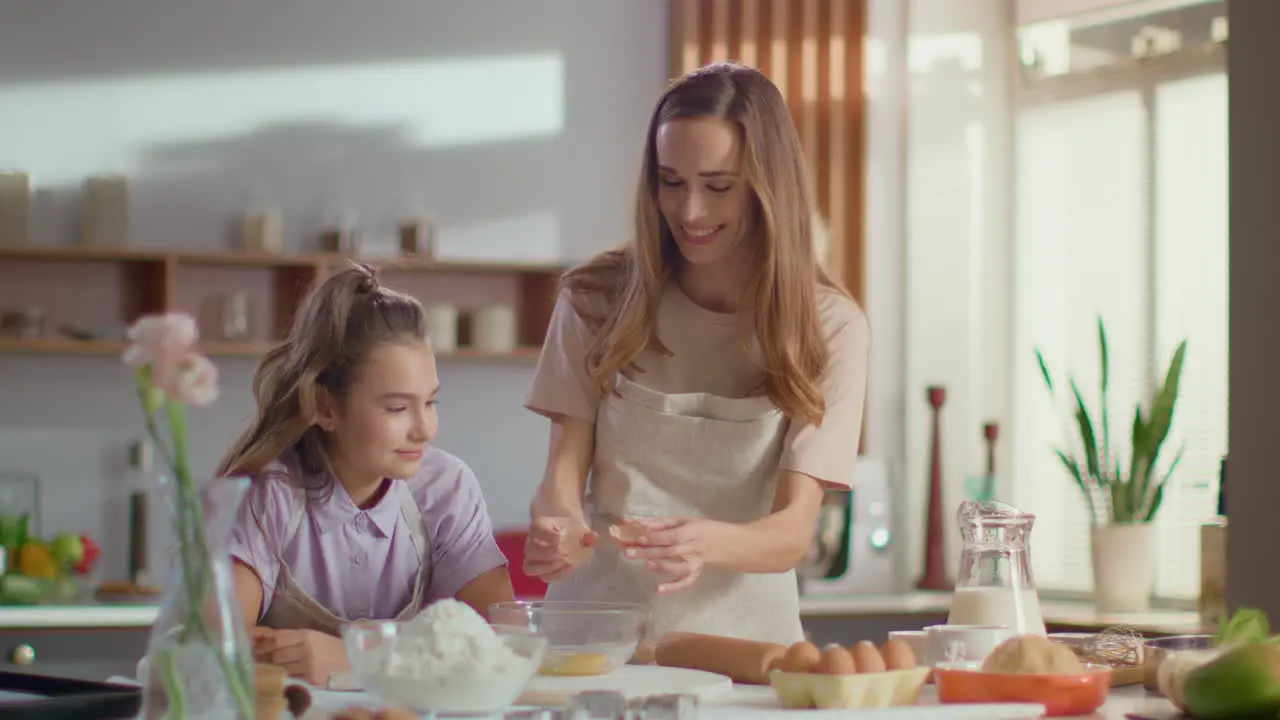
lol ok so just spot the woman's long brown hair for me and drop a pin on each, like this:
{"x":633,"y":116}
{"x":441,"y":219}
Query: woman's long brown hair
{"x":786,"y":277}
{"x":338,"y":325}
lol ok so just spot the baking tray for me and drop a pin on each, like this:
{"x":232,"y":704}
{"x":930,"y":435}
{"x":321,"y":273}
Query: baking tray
{"x":24,"y":696}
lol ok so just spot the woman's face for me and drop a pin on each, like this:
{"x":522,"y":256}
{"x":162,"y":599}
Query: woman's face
{"x":701,"y":192}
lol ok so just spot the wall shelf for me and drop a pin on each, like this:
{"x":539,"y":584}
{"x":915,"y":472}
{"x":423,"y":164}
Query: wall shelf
{"x":92,"y":288}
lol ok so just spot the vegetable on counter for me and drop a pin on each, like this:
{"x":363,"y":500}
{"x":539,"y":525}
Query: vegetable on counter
{"x":1239,"y":678}
{"x":1243,"y":682}
{"x":36,"y":560}
{"x":43,"y":572}
{"x":92,"y":553}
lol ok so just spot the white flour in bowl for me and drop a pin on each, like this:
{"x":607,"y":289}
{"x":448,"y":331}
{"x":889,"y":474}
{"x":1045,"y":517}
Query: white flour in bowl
{"x":447,"y":638}
{"x":449,"y":659}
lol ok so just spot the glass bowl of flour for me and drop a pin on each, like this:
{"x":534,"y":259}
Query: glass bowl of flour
{"x":585,"y":637}
{"x":447,"y":659}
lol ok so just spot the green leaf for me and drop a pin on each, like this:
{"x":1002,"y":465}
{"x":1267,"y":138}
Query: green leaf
{"x":1074,"y":471}
{"x":1150,"y":513}
{"x":1044,"y":371}
{"x":1160,"y":420}
{"x":1161,"y":417}
{"x":24,"y":530}
{"x":1246,"y":625}
{"x":1137,"y":457}
{"x":1102,"y":352}
{"x":1105,"y":382}
{"x":1156,"y":501}
{"x":1087,"y":436}
{"x":1121,"y":510}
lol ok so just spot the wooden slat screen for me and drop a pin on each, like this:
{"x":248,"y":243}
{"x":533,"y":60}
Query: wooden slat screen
{"x":812,"y":50}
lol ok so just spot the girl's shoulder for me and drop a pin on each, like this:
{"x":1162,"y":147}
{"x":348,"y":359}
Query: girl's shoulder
{"x":277,"y":488}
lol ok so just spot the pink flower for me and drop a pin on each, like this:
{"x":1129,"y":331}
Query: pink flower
{"x":166,"y":343}
{"x":161,"y":339}
{"x":190,"y":378}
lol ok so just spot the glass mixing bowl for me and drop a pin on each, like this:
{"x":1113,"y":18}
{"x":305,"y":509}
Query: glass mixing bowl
{"x":584,"y":637}
{"x":473,"y":689}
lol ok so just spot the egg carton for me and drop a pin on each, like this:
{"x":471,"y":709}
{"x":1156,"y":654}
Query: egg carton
{"x":608,"y":705}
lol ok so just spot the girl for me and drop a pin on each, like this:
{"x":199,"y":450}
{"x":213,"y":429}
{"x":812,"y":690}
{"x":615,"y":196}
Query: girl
{"x":707,"y":378}
{"x":352,"y":513}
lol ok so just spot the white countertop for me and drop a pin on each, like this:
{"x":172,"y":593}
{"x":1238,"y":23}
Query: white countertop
{"x":1057,"y":612}
{"x":758,"y":703}
{"x":77,"y":616}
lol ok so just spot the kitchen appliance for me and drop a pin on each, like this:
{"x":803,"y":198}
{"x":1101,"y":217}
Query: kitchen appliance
{"x":851,"y":550}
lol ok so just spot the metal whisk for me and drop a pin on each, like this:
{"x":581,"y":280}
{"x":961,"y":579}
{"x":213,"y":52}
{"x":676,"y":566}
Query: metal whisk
{"x":1117,"y":646}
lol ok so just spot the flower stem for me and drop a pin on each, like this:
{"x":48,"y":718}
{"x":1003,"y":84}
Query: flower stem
{"x":176,"y":696}
{"x":198,"y":582}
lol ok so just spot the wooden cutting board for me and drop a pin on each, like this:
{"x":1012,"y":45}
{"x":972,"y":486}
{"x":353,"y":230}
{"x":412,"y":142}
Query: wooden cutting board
{"x":633,"y":681}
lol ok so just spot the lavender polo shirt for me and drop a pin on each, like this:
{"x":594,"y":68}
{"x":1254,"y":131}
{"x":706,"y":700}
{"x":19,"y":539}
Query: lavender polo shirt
{"x":362,"y":563}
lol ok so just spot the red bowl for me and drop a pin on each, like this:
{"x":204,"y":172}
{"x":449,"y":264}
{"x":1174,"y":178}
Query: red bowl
{"x":1068,"y":694}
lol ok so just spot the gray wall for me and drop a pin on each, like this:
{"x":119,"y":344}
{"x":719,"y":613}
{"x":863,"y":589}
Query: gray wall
{"x":1253,"y":493}
{"x":525,"y":118}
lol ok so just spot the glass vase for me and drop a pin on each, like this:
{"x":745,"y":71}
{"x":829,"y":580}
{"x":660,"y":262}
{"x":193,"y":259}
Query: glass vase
{"x":199,"y":661}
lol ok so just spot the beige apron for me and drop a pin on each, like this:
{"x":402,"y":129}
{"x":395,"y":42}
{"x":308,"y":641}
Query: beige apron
{"x":693,"y":455}
{"x":292,"y":608}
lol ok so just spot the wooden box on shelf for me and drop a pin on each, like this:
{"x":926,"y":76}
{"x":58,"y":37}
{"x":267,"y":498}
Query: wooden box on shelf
{"x":79,"y":300}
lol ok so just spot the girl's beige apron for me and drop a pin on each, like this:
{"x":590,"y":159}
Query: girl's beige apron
{"x":692,"y":455}
{"x":292,"y":608}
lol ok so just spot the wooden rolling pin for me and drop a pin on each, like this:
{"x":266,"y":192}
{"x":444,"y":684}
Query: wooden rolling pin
{"x":746,"y":661}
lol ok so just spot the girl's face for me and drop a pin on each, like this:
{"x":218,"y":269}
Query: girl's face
{"x":388,"y":417}
{"x":701,"y":192}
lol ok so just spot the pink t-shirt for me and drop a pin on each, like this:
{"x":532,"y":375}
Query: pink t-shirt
{"x":709,"y":355}
{"x":362,"y":563}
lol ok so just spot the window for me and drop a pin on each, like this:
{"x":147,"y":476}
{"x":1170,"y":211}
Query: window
{"x":1121,"y":211}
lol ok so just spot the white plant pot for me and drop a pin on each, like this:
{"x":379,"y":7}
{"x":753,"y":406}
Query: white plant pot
{"x":1124,"y":567}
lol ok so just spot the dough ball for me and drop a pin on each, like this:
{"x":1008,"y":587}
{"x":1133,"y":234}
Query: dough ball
{"x":1032,"y":655}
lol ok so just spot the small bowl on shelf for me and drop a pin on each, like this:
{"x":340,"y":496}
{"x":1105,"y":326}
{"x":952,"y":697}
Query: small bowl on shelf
{"x":470,"y":690}
{"x":858,"y":691}
{"x":584,"y":637}
{"x":1060,"y":694}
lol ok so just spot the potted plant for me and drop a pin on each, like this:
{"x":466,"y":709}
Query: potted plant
{"x":1123,"y":491}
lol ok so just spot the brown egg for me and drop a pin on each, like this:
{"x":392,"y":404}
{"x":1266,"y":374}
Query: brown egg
{"x":836,"y":661}
{"x":898,"y":655}
{"x":868,"y":657}
{"x":802,"y":657}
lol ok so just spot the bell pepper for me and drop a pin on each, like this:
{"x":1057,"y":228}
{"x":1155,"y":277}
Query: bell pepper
{"x":92,"y":552}
{"x":35,"y":560}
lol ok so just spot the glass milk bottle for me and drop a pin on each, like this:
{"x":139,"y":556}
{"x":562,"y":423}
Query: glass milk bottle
{"x":995,"y":585}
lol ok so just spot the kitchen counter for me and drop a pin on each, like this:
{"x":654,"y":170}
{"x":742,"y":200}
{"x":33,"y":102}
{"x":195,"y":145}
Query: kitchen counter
{"x":759,"y":703}
{"x":1060,"y":613}
{"x":755,"y":702}
{"x":89,"y":615}
{"x":1073,"y":613}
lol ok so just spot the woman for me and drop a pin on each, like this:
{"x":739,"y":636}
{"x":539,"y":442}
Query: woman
{"x":708,"y":377}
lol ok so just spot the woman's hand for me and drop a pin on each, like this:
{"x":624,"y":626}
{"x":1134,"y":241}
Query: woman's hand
{"x":555,"y":545}
{"x":306,"y":654}
{"x":676,"y":547}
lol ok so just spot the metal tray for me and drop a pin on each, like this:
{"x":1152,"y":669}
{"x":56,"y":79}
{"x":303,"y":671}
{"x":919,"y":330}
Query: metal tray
{"x":24,"y":696}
